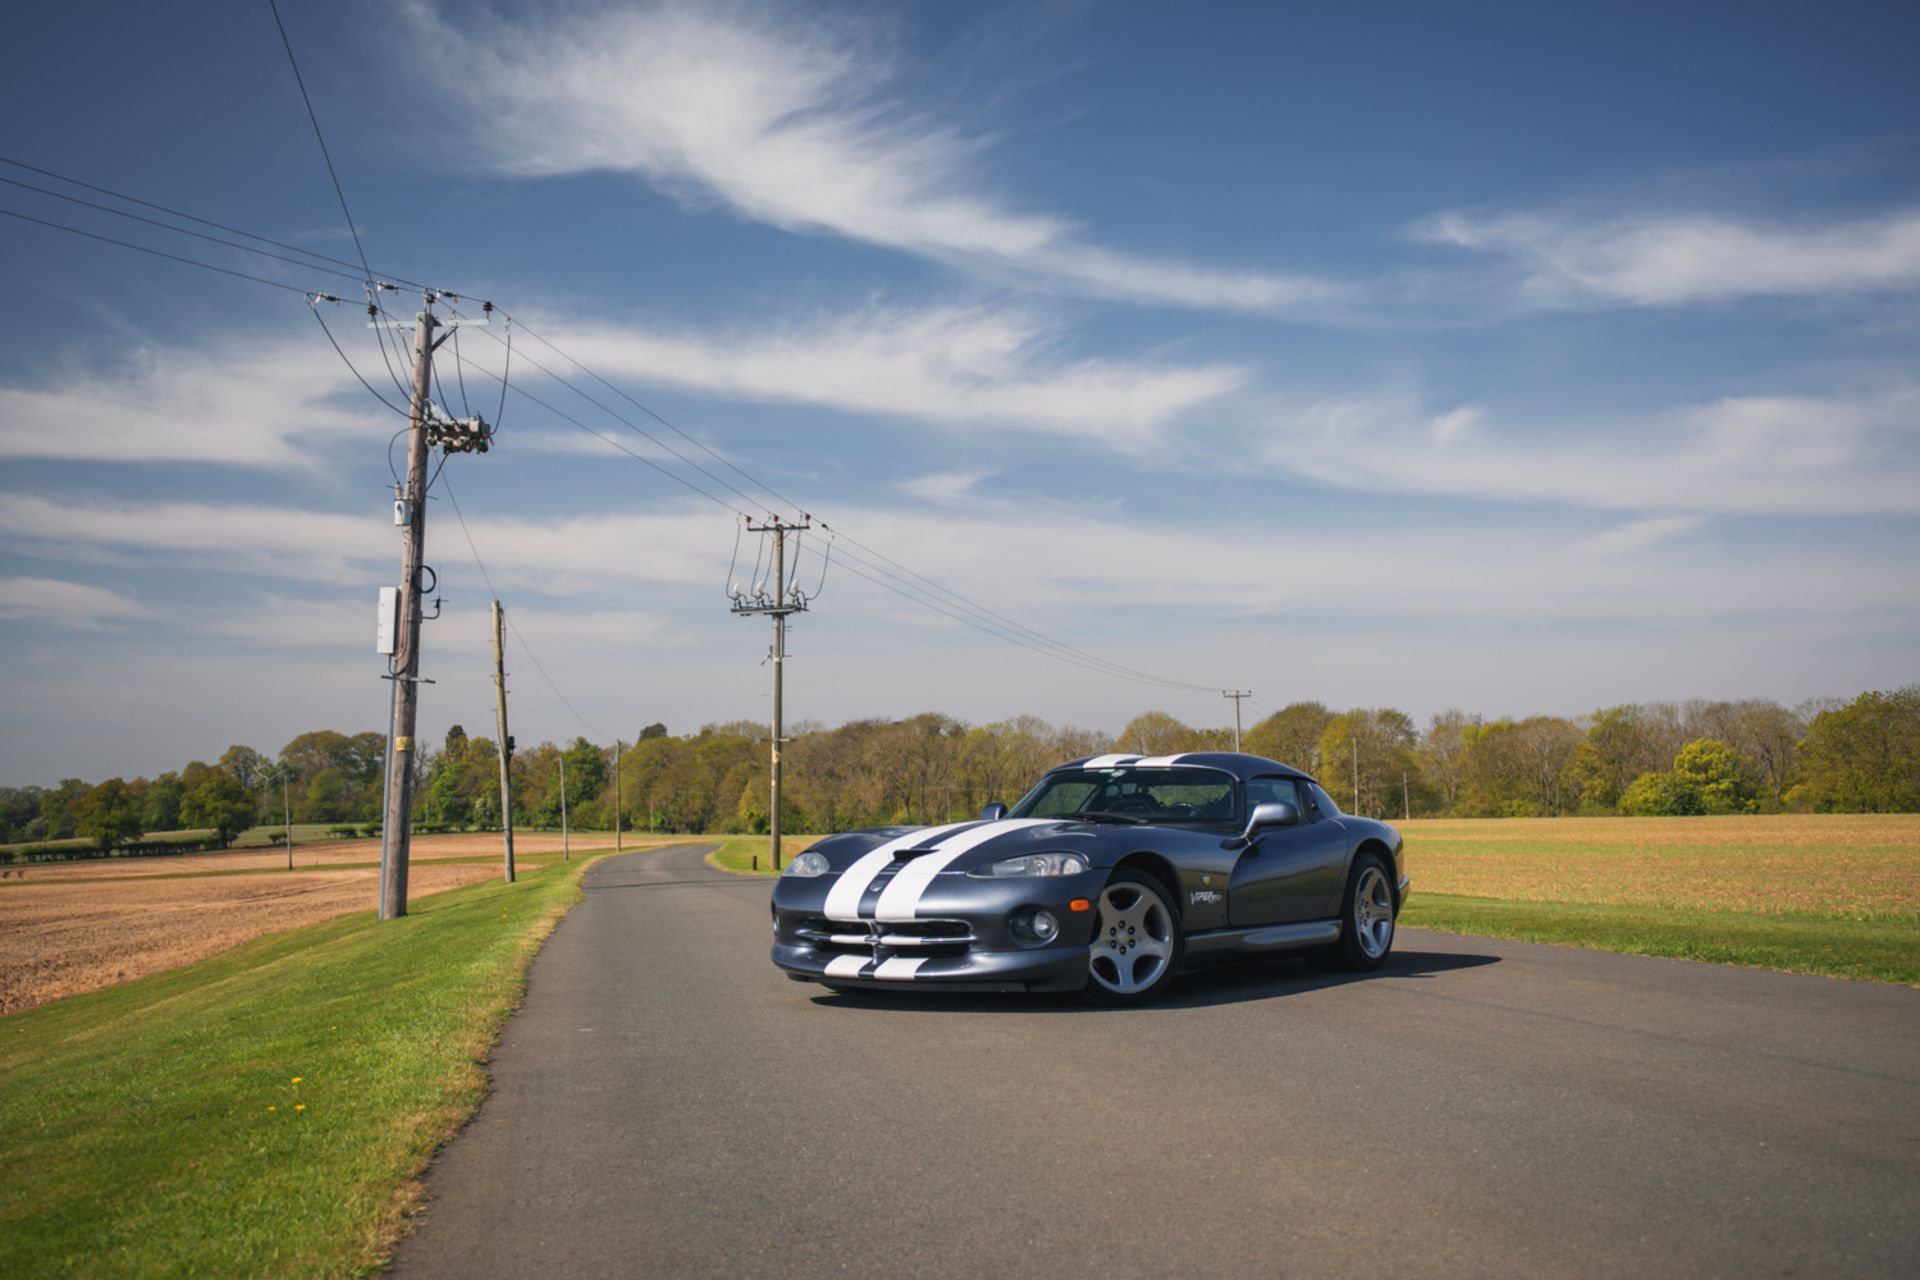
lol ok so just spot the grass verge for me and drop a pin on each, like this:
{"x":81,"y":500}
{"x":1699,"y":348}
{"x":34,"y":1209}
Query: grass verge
{"x":737,"y":853}
{"x":1879,"y":948}
{"x":265,"y":1112}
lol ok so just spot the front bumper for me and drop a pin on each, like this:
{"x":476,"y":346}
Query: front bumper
{"x":1040,"y":969}
{"x":961,"y":937}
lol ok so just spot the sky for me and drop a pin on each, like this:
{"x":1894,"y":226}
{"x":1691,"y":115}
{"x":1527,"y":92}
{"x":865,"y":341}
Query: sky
{"x":1520,"y":358}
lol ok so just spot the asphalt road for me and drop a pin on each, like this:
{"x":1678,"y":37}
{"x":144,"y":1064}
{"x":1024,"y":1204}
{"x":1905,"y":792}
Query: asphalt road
{"x":668,"y":1104}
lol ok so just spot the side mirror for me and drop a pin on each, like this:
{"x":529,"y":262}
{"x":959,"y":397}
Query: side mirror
{"x":1263,"y":818}
{"x":993,"y":812}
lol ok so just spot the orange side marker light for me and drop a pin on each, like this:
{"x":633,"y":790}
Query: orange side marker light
{"x":1080,"y":904}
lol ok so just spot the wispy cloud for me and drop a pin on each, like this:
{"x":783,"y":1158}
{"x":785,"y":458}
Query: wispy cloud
{"x":1638,"y":535}
{"x":73,"y":605}
{"x":1668,"y":261}
{"x":947,"y":488}
{"x":788,"y":123}
{"x":1781,"y":455}
{"x":236,"y":402}
{"x":954,"y":365}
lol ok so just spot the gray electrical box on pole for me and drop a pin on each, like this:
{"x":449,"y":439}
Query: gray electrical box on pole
{"x":784,"y":600}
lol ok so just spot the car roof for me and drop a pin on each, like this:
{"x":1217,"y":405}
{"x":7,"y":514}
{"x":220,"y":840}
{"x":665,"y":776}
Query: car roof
{"x":1237,"y":763}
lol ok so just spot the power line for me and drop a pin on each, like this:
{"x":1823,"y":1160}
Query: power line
{"x":321,"y":138}
{"x":192,"y":217}
{"x":488,"y":579}
{"x":943,"y":599}
{"x":603,"y":438}
{"x":374,"y":309}
{"x":171,"y":257}
{"x":990,"y":617}
{"x":311,"y":300}
{"x":166,"y":226}
{"x":630,"y":425}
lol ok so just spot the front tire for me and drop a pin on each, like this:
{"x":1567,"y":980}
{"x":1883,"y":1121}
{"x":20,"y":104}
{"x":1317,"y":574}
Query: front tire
{"x":1367,"y":919}
{"x":1136,"y":941}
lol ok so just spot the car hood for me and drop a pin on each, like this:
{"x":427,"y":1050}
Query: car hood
{"x":962,"y":846}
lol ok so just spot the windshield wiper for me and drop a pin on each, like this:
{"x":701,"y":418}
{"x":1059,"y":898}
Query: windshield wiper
{"x":1101,"y":815}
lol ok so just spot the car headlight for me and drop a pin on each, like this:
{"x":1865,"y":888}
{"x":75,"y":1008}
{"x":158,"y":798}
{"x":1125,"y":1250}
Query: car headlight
{"x":1034,"y":864}
{"x":808,"y":864}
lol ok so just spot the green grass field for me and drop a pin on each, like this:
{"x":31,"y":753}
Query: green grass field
{"x":1831,"y":894}
{"x":264,"y":1112}
{"x":737,"y":853}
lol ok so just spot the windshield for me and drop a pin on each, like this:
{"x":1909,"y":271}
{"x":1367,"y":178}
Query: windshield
{"x":1173,"y":796}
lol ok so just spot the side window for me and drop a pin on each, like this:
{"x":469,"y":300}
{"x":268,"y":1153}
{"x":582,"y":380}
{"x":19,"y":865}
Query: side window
{"x":1273,"y":791}
{"x":1323,"y":801}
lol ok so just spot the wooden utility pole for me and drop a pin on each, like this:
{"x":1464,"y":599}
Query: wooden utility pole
{"x":617,"y":814}
{"x":1236,"y":695}
{"x":1356,"y":773}
{"x":1406,"y":801}
{"x":506,"y":742}
{"x":395,"y":835}
{"x":566,"y":850}
{"x":286,"y":811}
{"x":780,"y":604}
{"x":410,"y":513}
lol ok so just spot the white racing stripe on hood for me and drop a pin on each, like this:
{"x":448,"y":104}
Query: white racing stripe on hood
{"x":1108,"y":762}
{"x":901,"y":898}
{"x":843,"y":900}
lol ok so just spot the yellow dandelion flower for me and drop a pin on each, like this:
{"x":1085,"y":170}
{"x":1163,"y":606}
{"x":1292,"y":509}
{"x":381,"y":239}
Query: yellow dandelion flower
{"x":273,"y":1108}
{"x":299,"y":1106}
{"x":298,"y":1079}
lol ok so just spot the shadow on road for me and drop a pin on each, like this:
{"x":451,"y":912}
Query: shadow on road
{"x":1233,"y":983}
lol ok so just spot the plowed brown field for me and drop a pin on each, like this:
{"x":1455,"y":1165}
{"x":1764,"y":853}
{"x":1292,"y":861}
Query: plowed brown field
{"x":66,"y":928}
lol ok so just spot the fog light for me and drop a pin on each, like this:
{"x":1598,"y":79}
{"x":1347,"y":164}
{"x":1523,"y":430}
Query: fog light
{"x":1033,"y":927}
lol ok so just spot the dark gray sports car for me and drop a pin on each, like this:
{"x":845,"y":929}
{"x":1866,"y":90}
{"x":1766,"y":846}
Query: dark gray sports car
{"x":1113,"y":874}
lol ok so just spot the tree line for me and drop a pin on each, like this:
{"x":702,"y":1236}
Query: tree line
{"x":1678,"y":758}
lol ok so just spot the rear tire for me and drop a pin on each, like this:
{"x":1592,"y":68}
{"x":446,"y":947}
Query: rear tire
{"x":1136,"y":941}
{"x":1367,"y":919}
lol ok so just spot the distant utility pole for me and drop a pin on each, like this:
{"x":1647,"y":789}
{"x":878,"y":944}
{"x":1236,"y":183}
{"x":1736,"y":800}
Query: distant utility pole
{"x":286,"y":811}
{"x":566,"y":850}
{"x":425,"y":429}
{"x":1236,"y":695}
{"x":783,"y":602}
{"x":506,"y":741}
{"x":1356,"y":775}
{"x":616,"y":795}
{"x":1406,"y":801}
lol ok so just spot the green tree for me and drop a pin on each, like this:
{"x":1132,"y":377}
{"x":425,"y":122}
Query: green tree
{"x":1723,"y":779}
{"x":108,"y":814}
{"x":221,"y":805}
{"x":1657,"y":795}
{"x":245,"y":766}
{"x":57,"y":808}
{"x":1155,"y":733}
{"x":162,"y":809}
{"x":1375,"y":748}
{"x":1290,"y":735}
{"x":1863,"y":757}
